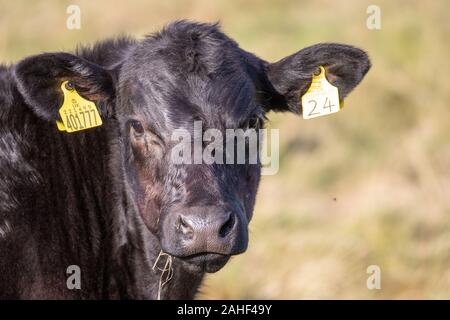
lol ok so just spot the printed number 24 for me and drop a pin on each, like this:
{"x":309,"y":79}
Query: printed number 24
{"x":326,"y":105}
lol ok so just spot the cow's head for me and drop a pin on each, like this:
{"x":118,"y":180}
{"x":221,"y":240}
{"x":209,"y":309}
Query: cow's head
{"x":189,"y":73}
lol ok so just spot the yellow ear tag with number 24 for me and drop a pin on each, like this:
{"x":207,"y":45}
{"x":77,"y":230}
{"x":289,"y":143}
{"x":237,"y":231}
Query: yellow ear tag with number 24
{"x":322,"y":97}
{"x":76,"y":112}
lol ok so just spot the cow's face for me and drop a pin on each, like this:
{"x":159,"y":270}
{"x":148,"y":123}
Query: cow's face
{"x":199,"y":210}
{"x":192,"y":78}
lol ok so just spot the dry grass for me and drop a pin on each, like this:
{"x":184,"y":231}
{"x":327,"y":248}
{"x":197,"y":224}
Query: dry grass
{"x":385,"y":158}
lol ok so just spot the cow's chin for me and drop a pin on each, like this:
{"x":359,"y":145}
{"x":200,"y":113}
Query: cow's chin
{"x":204,"y":262}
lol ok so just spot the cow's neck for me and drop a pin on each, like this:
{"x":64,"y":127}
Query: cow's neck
{"x":70,"y":213}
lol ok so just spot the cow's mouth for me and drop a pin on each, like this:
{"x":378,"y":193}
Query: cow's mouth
{"x":205,"y":262}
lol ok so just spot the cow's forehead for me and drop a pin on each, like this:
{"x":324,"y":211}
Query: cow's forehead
{"x":174,"y":80}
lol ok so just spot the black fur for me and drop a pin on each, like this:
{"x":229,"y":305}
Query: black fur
{"x":103,"y":198}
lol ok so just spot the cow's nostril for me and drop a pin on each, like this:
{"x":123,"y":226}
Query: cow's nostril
{"x":227,"y":226}
{"x":184,"y":226}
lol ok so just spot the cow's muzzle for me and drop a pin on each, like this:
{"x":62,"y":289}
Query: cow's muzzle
{"x":206,"y":235}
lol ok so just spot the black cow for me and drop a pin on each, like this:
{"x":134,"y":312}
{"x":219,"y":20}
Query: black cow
{"x":109,"y":199}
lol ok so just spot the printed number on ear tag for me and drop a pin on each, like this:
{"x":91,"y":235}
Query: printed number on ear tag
{"x":76,"y":112}
{"x":322,"y":97}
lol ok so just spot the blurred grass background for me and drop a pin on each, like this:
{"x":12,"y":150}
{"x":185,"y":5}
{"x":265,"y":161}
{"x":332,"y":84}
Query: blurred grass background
{"x":369,"y":185}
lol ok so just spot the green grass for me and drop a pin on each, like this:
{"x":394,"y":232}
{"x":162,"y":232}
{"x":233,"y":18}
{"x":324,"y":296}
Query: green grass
{"x":366,"y":186}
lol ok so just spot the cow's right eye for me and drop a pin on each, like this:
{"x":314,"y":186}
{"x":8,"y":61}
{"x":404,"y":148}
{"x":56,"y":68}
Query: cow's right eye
{"x":137,"y":127}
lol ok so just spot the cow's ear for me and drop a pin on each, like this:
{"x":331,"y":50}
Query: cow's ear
{"x":39,"y":80}
{"x":288,"y":79}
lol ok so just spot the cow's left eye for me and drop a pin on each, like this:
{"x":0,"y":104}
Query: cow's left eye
{"x":137,"y":127}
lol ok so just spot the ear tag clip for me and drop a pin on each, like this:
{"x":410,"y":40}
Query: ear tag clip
{"x":322,"y":98}
{"x":76,"y":112}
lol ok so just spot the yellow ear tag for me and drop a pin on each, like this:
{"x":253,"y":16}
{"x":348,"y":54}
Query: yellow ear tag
{"x":76,"y":112}
{"x":322,"y":97}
